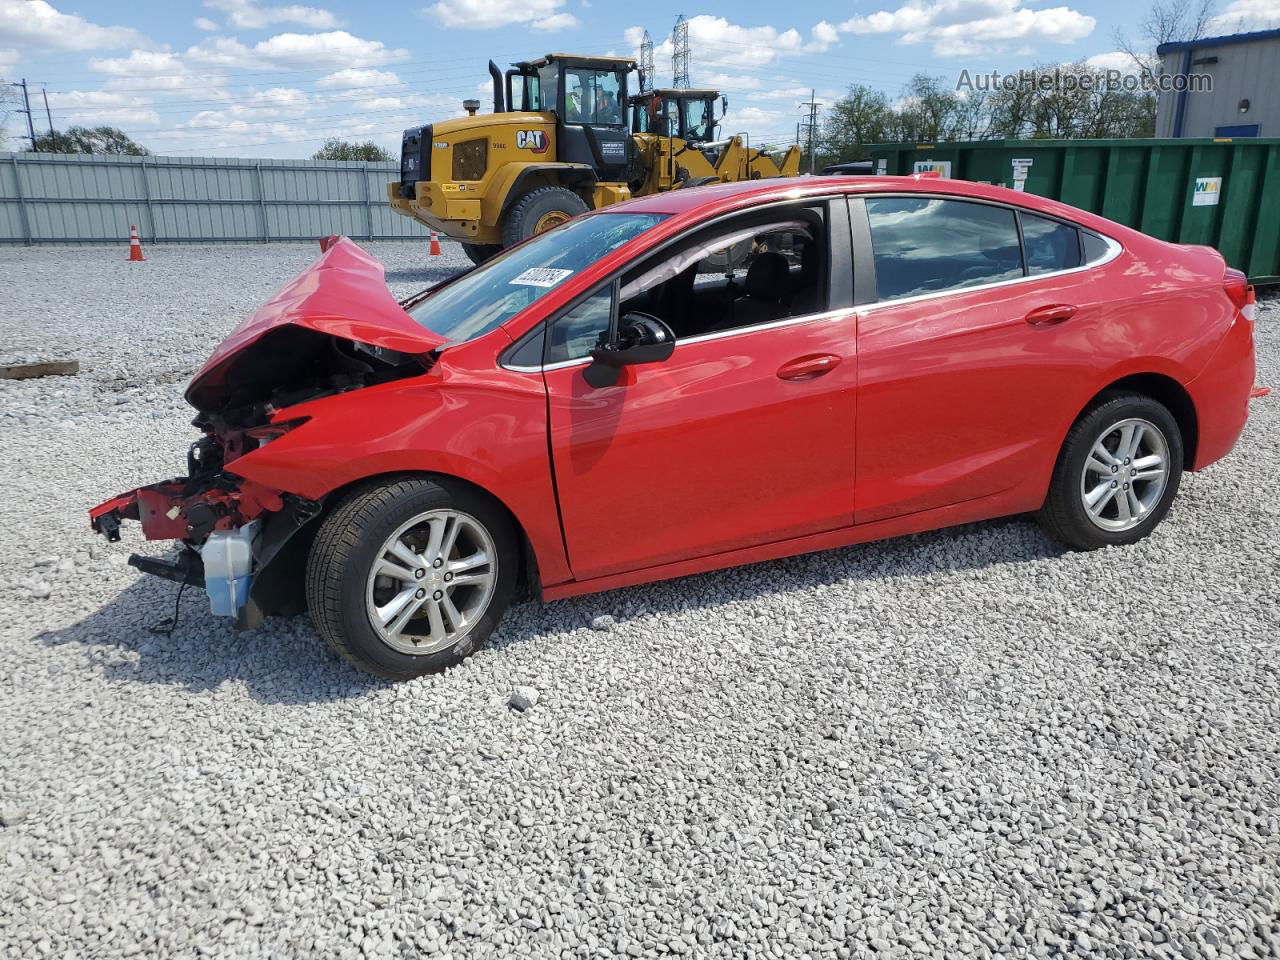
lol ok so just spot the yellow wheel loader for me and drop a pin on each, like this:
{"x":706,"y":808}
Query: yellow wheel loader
{"x":564,"y":137}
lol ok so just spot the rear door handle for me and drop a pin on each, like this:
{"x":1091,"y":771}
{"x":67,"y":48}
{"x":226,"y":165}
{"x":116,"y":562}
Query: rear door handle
{"x":1048,"y":316}
{"x":808,"y":367}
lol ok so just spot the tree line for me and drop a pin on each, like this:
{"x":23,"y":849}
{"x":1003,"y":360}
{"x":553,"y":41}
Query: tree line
{"x":1078,"y":104}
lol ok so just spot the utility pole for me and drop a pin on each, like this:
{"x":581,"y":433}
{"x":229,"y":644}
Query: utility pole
{"x":26,"y":103}
{"x":810,"y":124}
{"x":48,"y":116}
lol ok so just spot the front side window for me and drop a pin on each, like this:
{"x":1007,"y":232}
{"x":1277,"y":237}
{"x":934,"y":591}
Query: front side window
{"x":497,"y":290}
{"x":1049,"y":245}
{"x":592,"y":96}
{"x":578,"y":331}
{"x":740,"y":274}
{"x":923,"y":245}
{"x":697,"y":115}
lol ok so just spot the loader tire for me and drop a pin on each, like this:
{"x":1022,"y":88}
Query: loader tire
{"x":538,"y":211}
{"x":478,"y":253}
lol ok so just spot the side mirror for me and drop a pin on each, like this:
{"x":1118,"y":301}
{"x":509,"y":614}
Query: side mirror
{"x":642,"y":338}
{"x":724,"y":105}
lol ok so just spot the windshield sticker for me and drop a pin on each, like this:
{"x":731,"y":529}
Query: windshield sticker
{"x":541,"y":277}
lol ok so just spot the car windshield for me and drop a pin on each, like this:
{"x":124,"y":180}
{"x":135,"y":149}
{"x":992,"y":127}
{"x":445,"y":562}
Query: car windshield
{"x":496,"y":291}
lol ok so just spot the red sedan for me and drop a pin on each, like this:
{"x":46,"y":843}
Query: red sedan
{"x":687,"y":382}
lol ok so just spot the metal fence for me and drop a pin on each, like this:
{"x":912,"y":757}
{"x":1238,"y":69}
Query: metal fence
{"x":81,"y":198}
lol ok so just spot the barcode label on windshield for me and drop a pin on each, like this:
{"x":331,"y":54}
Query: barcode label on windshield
{"x":541,"y":277}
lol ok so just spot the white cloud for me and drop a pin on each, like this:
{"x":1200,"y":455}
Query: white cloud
{"x":36,"y":24}
{"x":1241,"y":16}
{"x":95,"y":108}
{"x":284,"y":51}
{"x":969,"y":27}
{"x":716,"y":42}
{"x":1114,"y":60}
{"x":8,"y":59}
{"x":350,"y":77}
{"x":204,"y":23}
{"x":486,"y":14}
{"x":140,"y":63}
{"x":248,"y":15}
{"x":557,"y":21}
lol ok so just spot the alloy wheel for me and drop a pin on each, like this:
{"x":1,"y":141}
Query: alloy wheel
{"x":431,"y":581}
{"x":1125,"y":474}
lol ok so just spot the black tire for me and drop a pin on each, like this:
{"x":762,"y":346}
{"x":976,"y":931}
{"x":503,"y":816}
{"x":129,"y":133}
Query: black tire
{"x":478,"y":253}
{"x":531,"y":210}
{"x":346,"y":547}
{"x":1064,"y":515}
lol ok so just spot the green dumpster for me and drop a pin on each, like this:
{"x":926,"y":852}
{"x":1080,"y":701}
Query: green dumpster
{"x":1224,"y":193}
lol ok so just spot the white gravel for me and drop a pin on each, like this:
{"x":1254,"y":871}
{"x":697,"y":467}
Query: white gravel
{"x":964,"y":742}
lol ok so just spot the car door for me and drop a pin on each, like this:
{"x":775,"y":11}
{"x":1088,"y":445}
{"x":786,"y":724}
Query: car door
{"x":969,"y":363}
{"x":743,"y":436}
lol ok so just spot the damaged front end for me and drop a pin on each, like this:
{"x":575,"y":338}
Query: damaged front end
{"x":335,"y":328}
{"x":231,"y":530}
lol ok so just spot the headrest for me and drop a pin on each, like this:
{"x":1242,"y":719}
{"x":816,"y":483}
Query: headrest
{"x":769,"y":277}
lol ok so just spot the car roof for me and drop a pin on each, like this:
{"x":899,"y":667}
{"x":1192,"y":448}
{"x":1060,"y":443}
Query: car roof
{"x":738,"y":194}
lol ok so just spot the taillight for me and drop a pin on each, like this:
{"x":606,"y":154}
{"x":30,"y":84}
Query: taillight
{"x":1241,"y":293}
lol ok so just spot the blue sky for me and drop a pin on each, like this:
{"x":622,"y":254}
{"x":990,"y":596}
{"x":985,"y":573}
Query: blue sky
{"x":263,"y":78}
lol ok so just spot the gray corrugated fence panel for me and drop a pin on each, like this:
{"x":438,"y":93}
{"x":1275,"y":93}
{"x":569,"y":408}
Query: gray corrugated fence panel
{"x":77,"y":198}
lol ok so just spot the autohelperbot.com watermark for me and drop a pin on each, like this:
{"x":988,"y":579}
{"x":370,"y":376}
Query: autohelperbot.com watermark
{"x":1068,"y":81}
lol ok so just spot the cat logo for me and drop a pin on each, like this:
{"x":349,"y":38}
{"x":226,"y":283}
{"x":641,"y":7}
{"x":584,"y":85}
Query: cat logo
{"x":532,"y":140}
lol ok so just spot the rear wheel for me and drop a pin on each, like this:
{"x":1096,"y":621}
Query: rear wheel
{"x":478,"y":253}
{"x":1117,"y":474}
{"x":410,"y":577}
{"x":538,"y":211}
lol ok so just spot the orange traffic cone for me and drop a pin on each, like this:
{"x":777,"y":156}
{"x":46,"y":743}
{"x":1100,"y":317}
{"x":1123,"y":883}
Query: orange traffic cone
{"x":135,"y":245}
{"x":435,"y":244}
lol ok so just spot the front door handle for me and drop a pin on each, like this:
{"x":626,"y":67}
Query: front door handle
{"x":808,"y":367}
{"x":1048,"y":316}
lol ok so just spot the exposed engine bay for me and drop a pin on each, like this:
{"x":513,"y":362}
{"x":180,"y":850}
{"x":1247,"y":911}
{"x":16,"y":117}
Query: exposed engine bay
{"x":317,"y":338}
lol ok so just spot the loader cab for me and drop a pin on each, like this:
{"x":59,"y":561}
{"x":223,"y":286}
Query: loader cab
{"x":687,"y":114}
{"x":588,"y":96}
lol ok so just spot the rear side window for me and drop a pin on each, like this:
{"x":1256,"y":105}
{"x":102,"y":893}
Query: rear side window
{"x":1095,"y":247}
{"x":1050,"y":245}
{"x":923,"y":245}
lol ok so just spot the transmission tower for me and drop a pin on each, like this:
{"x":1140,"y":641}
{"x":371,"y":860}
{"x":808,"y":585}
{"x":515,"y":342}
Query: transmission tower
{"x":680,"y":54}
{"x":646,"y":63}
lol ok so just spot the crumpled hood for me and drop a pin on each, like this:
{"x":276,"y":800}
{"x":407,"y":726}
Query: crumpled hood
{"x":344,"y":294}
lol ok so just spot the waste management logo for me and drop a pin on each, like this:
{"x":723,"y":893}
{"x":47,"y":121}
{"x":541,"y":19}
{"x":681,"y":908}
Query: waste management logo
{"x":1207,"y":191}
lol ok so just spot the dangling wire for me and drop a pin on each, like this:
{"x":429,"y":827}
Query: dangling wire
{"x":166,"y":626}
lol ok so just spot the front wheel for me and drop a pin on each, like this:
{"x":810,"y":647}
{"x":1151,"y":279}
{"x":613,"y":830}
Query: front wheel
{"x":538,"y":211}
{"x":478,"y":253}
{"x":410,"y":577}
{"x":1117,"y":474}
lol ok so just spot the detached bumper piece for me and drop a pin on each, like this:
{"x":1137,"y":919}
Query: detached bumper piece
{"x":188,"y":568}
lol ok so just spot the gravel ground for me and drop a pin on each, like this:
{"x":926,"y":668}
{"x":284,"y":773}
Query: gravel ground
{"x":964,"y":742}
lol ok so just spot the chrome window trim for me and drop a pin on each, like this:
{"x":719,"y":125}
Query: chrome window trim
{"x":1114,"y":249}
{"x":707,"y":337}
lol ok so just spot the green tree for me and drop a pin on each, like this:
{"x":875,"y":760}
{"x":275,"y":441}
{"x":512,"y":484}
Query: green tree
{"x":861,"y":117}
{"x":335,"y":149}
{"x":110,"y":140}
